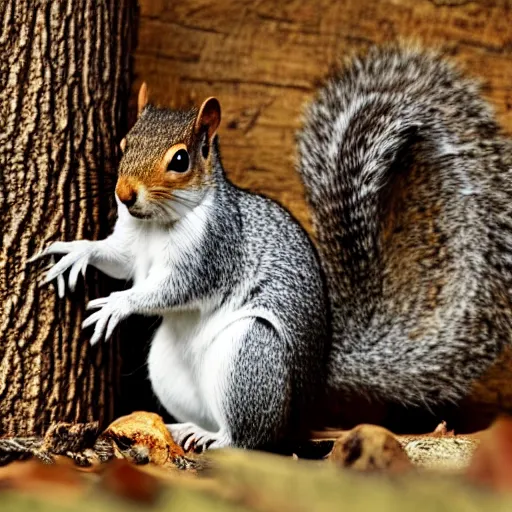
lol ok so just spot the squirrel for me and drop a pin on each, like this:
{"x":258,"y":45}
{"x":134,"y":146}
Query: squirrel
{"x":238,"y":356}
{"x":405,"y":297}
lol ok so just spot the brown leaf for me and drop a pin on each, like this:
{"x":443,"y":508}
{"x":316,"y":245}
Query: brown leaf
{"x":127,"y":481}
{"x":142,"y":437}
{"x":369,"y":448}
{"x":492,"y":462}
{"x":34,"y":476}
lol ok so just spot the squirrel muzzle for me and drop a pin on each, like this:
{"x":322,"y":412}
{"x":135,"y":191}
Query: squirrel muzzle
{"x":126,"y":191}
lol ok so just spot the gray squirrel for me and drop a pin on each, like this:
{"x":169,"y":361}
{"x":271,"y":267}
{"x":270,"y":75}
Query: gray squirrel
{"x":408,"y":299}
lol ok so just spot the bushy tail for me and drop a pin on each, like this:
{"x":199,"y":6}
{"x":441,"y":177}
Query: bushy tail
{"x":380,"y":117}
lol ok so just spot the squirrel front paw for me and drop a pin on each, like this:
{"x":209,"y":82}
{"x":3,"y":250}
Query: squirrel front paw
{"x":75,"y":256}
{"x":111,"y":310}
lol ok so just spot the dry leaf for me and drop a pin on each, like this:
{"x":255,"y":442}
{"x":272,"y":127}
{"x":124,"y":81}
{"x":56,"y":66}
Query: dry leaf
{"x":492,"y":462}
{"x":33,"y":476}
{"x":127,"y":481}
{"x":142,"y":437}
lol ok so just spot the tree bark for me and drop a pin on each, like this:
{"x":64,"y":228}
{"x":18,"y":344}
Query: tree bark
{"x":64,"y":85}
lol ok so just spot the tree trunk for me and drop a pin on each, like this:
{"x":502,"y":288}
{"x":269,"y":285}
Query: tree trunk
{"x":64,"y":85}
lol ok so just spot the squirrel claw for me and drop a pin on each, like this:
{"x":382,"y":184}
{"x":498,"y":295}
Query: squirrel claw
{"x":192,"y":437}
{"x":110,"y":311}
{"x":97,"y":303}
{"x":75,"y":256}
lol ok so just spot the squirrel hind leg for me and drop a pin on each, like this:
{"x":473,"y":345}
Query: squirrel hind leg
{"x":257,"y":401}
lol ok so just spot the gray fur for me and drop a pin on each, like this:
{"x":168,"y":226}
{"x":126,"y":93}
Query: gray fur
{"x":259,"y":403}
{"x":275,"y":380}
{"x":411,"y":203}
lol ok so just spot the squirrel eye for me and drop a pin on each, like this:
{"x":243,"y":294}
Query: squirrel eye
{"x":179,"y":162}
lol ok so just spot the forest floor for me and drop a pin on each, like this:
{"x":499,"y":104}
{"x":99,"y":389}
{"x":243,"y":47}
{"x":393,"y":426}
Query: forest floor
{"x":135,"y":465}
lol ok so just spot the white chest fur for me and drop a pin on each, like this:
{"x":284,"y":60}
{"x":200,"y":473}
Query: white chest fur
{"x":192,"y":354}
{"x":192,"y":359}
{"x":151,"y":251}
{"x":157,"y":247}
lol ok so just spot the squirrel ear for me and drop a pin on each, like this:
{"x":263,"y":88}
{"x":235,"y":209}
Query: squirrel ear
{"x":143,"y":98}
{"x":208,"y":117}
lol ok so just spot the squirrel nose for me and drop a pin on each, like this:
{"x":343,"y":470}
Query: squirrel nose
{"x":126,"y":191}
{"x":129,"y":199}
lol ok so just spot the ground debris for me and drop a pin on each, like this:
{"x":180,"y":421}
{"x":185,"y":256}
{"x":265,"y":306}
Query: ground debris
{"x":491,"y":464}
{"x":370,"y":448}
{"x":143,"y":461}
{"x":440,"y":450}
{"x":140,"y":437}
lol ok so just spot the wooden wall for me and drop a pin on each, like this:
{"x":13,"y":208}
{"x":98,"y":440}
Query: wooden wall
{"x":264,"y":58}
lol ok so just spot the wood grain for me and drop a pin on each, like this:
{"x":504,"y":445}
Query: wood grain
{"x":64,"y":85}
{"x":263,"y":59}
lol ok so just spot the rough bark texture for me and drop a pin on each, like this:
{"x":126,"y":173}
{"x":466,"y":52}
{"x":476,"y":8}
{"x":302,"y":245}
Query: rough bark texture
{"x":263,"y":60}
{"x":63,"y":88}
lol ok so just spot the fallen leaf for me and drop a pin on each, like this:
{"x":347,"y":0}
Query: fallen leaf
{"x":142,"y":437}
{"x":491,"y":464}
{"x":35,"y":477}
{"x":127,"y":481}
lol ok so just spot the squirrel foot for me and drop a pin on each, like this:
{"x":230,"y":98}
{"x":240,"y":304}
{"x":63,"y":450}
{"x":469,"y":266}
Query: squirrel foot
{"x":190,"y":436}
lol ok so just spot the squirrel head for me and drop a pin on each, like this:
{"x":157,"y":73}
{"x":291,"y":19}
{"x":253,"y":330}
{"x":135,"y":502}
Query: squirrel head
{"x":167,"y":165}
